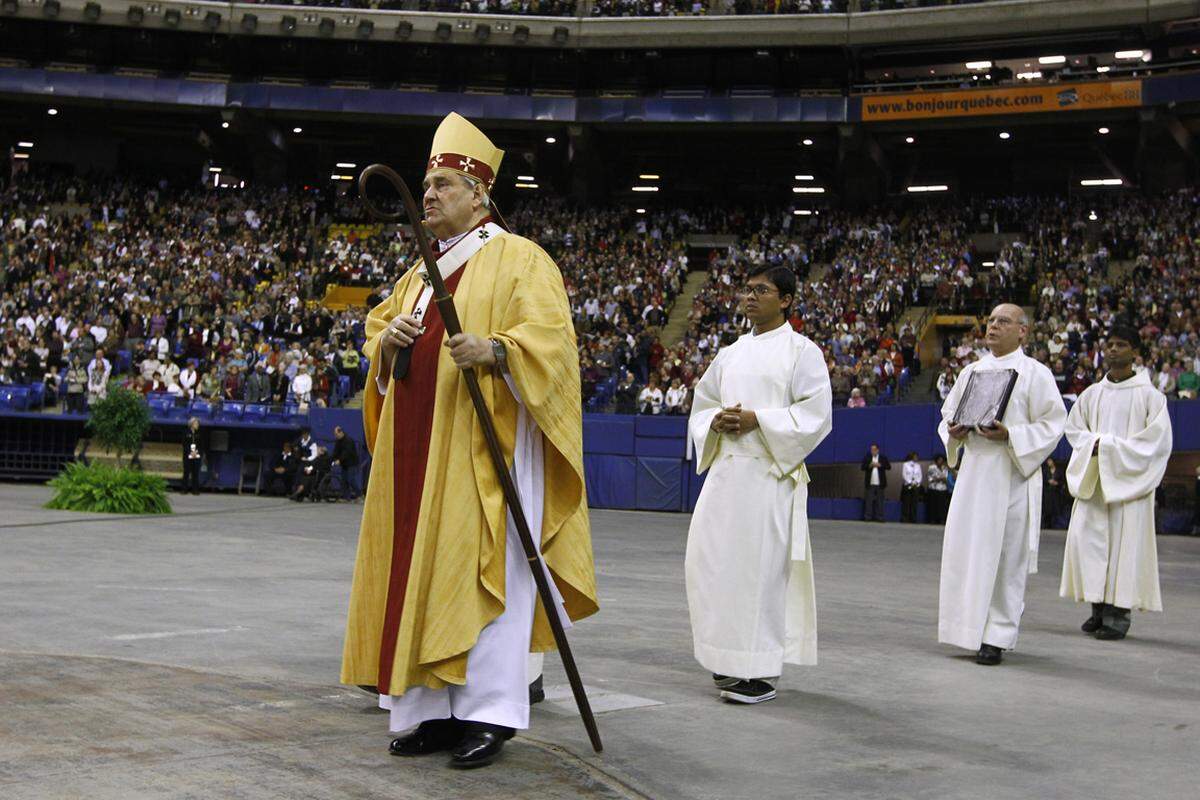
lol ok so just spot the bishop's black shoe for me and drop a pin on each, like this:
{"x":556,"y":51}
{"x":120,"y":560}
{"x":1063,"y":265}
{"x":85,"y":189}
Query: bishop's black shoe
{"x":1093,"y":623}
{"x":431,"y":736}
{"x":989,"y":655}
{"x":480,"y":745}
{"x":749,"y":692}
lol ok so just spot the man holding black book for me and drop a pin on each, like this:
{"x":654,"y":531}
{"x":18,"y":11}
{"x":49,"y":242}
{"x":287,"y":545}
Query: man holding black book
{"x":992,"y":530}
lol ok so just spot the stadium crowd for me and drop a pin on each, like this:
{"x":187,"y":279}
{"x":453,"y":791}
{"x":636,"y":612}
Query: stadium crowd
{"x":211,"y":294}
{"x":201,"y":294}
{"x":1087,"y":262}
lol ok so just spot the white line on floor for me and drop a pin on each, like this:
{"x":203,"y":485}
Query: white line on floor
{"x":152,"y":588}
{"x":129,"y":637}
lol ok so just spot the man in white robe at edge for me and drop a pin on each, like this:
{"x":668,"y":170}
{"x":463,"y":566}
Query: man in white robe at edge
{"x":1121,"y":434}
{"x":994,"y":523}
{"x":763,"y":405}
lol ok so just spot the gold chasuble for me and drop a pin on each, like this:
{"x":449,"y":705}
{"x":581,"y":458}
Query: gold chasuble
{"x":444,"y":570}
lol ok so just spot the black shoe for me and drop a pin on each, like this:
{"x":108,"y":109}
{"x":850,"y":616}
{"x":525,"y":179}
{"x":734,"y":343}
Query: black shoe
{"x":989,"y":655}
{"x":1107,"y":634}
{"x":537,"y":692}
{"x":431,"y":736}
{"x":480,"y":746}
{"x":724,"y":681}
{"x":749,"y":692}
{"x":1093,"y":623}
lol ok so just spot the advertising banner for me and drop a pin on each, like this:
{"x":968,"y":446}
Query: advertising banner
{"x":1006,"y":100}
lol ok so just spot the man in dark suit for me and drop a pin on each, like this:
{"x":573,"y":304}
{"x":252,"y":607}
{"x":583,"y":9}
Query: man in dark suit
{"x":345,"y":464}
{"x":283,"y":474}
{"x":308,"y":478}
{"x":875,"y":468}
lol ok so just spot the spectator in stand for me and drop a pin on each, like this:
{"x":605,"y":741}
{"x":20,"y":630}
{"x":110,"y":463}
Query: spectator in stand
{"x":302,"y":386}
{"x":257,"y":388}
{"x":187,"y":382}
{"x":193,"y":456}
{"x":345,"y":465}
{"x":856,"y":399}
{"x":677,"y":399}
{"x":76,"y":386}
{"x":310,"y":475}
{"x":650,"y":400}
{"x":910,"y":492}
{"x":626,"y":395}
{"x":98,"y":373}
{"x":875,"y":467}
{"x":283,"y":473}
{"x":937,"y":491}
{"x":1054,"y":494}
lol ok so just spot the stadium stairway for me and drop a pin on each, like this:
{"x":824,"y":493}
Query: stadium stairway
{"x":677,"y":320}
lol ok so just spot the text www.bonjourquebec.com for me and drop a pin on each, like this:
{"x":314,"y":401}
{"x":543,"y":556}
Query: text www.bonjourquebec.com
{"x":938,"y":104}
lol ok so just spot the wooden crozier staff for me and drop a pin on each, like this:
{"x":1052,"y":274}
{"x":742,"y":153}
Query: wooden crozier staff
{"x":445,"y":304}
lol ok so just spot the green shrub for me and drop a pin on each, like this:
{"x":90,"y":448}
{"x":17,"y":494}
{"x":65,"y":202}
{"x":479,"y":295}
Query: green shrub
{"x":99,"y":487}
{"x":119,"y":422}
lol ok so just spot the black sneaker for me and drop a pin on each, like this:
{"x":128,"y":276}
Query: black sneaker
{"x":749,"y":692}
{"x":724,"y":681}
{"x":1093,"y":623}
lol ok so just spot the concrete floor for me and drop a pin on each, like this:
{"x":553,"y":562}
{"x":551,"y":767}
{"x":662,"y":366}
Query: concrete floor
{"x":197,"y":656}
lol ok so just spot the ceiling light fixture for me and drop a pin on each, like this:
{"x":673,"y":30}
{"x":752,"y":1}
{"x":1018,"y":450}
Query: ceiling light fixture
{"x":1005,"y":135}
{"x":804,"y":177}
{"x":644,"y":189}
{"x":979,"y":65}
{"x":1102,"y":131}
{"x":551,"y":140}
{"x":1101,"y":182}
{"x":346,"y":165}
{"x":808,"y":189}
{"x":1050,"y":60}
{"x":937,"y":187}
{"x":526,"y":185}
{"x":807,"y":142}
{"x":297,"y":130}
{"x":1132,"y":55}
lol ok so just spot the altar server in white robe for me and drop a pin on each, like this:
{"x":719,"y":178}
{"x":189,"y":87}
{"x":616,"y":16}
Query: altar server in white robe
{"x":1121,"y":435}
{"x":992,"y":530}
{"x":762,"y":406}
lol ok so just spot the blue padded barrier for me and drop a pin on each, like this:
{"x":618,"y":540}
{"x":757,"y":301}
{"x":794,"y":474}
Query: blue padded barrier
{"x":660,"y":427}
{"x":694,"y":484}
{"x":661,"y":448}
{"x":1185,"y":417}
{"x":610,"y":481}
{"x":844,"y":508}
{"x":659,"y":485}
{"x":608,"y":434}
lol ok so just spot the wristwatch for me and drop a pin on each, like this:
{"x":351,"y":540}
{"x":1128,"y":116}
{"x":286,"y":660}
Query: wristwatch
{"x":500,"y":354}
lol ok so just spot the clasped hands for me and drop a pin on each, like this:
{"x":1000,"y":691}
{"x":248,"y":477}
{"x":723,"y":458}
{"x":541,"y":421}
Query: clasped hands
{"x":733,"y":419}
{"x":467,"y":349}
{"x":996,"y":431}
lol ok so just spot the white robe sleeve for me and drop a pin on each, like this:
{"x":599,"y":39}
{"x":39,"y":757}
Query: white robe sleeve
{"x":1133,"y":466}
{"x":793,"y":432}
{"x":1031,"y":443}
{"x":1082,"y":471}
{"x":954,"y":447}
{"x":706,"y":404}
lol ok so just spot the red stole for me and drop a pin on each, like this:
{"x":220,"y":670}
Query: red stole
{"x":413,"y":405}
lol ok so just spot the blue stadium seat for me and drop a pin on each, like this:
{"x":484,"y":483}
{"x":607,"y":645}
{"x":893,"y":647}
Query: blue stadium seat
{"x":231,"y":411}
{"x":37,"y":395}
{"x":275,"y":414}
{"x":255,"y":412}
{"x":201,"y":408}
{"x":292,"y":411}
{"x":14,"y":398}
{"x":343,"y":389}
{"x":160,"y":407}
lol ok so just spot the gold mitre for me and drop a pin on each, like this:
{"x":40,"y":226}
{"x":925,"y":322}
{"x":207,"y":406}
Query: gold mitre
{"x":461,"y":147}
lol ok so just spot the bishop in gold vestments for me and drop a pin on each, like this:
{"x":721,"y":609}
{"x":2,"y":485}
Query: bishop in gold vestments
{"x":443,"y":612}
